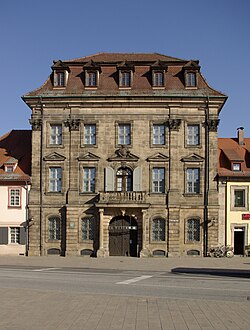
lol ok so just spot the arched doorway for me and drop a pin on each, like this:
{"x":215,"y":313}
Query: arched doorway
{"x":123,"y":236}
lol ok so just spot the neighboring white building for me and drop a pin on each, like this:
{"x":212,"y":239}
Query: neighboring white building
{"x":15,"y":167}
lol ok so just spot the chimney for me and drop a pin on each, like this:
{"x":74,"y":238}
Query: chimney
{"x":240,"y":135}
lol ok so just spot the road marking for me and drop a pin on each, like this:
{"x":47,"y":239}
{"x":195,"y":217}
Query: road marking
{"x":136,"y":279}
{"x":42,"y":269}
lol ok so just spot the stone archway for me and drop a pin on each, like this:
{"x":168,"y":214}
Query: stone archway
{"x":123,"y":236}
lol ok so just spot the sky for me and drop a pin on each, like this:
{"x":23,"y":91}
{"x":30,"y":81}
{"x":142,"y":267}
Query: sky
{"x":34,"y":33}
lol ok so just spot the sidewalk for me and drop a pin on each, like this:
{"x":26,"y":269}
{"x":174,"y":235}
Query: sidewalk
{"x":127,"y":263}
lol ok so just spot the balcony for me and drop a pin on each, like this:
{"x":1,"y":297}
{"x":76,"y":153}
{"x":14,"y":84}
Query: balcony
{"x":122,"y":197}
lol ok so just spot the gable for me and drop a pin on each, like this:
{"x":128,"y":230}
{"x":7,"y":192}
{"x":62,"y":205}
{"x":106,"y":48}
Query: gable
{"x":158,"y":157}
{"x":54,"y":156}
{"x":193,"y":158}
{"x":88,"y":157}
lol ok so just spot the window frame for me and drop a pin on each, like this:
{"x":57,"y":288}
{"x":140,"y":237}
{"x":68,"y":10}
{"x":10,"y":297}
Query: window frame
{"x":15,"y":205}
{"x":90,"y":227}
{"x":193,"y":144}
{"x":159,"y":180}
{"x":193,"y":192}
{"x":91,"y":135}
{"x":125,"y":78}
{"x":90,"y":181}
{"x":59,"y":179}
{"x":191,"y":79}
{"x":56,"y":230}
{"x":234,"y":167}
{"x":122,"y":179}
{"x":89,"y":82}
{"x":157,"y":230}
{"x":154,"y":144}
{"x":155,"y":81}
{"x":235,"y":188}
{"x":192,"y":231}
{"x":16,"y":235}
{"x":57,"y":135}
{"x":124,"y":135}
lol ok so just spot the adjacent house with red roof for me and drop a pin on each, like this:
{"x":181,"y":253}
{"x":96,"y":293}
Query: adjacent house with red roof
{"x":15,"y":170}
{"x":234,"y":186}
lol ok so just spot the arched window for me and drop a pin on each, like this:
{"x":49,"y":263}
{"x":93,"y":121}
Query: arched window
{"x":193,"y":230}
{"x":124,"y":179}
{"x":87,"y":227}
{"x":54,"y":228}
{"x":158,"y":230}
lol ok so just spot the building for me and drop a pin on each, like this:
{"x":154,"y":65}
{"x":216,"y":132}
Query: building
{"x":124,"y":157}
{"x":234,"y":185}
{"x":15,"y":161}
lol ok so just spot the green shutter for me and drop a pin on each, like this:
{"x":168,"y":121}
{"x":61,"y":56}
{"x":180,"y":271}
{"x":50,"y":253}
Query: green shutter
{"x":4,"y":235}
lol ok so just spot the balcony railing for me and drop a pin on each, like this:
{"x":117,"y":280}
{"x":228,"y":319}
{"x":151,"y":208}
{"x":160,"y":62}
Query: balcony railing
{"x":123,"y":197}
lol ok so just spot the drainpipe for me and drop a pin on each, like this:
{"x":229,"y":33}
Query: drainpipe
{"x":206,"y":182}
{"x":41,"y":179}
{"x":226,"y":214}
{"x":27,"y":218}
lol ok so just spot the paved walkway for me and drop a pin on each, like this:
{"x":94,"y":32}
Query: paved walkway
{"x":34,"y":309}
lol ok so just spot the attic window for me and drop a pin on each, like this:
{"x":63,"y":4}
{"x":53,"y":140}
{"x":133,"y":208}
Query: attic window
{"x":9,"y":168}
{"x":190,"y":79}
{"x":236,"y":167}
{"x":158,"y":78}
{"x":125,"y":78}
{"x":91,"y":78}
{"x":60,"y":78}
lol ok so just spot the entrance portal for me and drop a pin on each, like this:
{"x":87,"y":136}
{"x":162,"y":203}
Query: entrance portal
{"x":239,"y":239}
{"x":123,"y":236}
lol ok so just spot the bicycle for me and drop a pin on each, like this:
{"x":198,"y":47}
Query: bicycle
{"x":221,"y":251}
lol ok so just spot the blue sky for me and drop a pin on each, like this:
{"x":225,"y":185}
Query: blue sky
{"x":34,"y":33}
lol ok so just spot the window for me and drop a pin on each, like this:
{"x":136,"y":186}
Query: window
{"x":124,"y":179}
{"x":91,"y":79}
{"x":193,"y":230}
{"x":56,"y":134}
{"x":158,"y":230}
{"x":60,"y":79}
{"x":158,"y":180}
{"x":89,"y":174}
{"x":90,"y":134}
{"x":191,"y":79}
{"x":236,"y":166}
{"x":54,"y":228}
{"x":88,"y":229}
{"x":55,"y":179}
{"x":239,"y":198}
{"x":158,"y":79}
{"x":193,"y":180}
{"x":158,"y":134}
{"x":124,"y":134}
{"x":14,"y":197}
{"x":193,"y":135}
{"x":15,"y":235}
{"x":9,"y":168}
{"x":125,"y":79}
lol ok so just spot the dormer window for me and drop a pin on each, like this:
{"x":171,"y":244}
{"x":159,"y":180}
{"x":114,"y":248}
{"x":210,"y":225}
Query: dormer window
{"x":125,"y":78}
{"x":9,"y":168}
{"x":191,"y":80}
{"x":236,"y":167}
{"x":158,"y":78}
{"x":91,"y":78}
{"x":60,"y":74}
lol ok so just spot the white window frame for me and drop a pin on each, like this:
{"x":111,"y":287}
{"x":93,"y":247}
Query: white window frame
{"x":193,"y":180}
{"x":158,"y":134}
{"x":14,"y":197}
{"x":158,"y":78}
{"x":245,"y":189}
{"x":14,"y":235}
{"x":55,"y":134}
{"x":87,"y":228}
{"x":89,"y":179}
{"x":191,"y":79}
{"x":55,"y":179}
{"x":89,"y":134}
{"x":124,"y":133}
{"x":193,"y":135}
{"x":158,"y":180}
{"x":125,"y":78}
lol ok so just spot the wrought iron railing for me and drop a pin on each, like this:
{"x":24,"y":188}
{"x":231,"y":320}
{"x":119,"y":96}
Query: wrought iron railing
{"x":123,"y":197}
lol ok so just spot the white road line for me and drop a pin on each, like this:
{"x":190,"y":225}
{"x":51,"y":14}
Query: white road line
{"x":42,"y":269}
{"x":136,"y":279}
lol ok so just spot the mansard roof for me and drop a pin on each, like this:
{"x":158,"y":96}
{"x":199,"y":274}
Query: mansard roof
{"x":15,"y":148}
{"x":142,"y":64}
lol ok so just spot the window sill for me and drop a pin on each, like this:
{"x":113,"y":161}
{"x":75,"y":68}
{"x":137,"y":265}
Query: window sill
{"x":14,"y":207}
{"x":192,"y":195}
{"x":54,"y":193}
